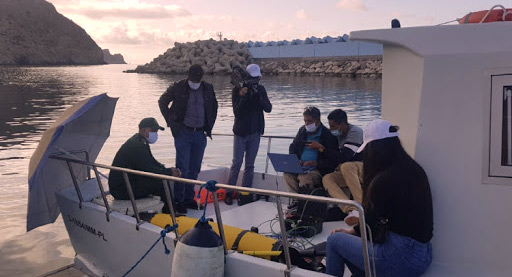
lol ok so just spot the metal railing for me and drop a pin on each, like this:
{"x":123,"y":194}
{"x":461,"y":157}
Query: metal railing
{"x":276,"y":194}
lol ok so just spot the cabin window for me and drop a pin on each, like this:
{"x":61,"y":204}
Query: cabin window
{"x":500,"y":158}
{"x":506,"y":142}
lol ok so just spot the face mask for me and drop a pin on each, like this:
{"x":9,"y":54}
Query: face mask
{"x":193,"y":85}
{"x":311,"y":127}
{"x":336,"y":133}
{"x":153,"y":137}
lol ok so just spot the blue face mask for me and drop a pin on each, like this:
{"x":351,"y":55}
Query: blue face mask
{"x":153,"y":137}
{"x":336,"y":133}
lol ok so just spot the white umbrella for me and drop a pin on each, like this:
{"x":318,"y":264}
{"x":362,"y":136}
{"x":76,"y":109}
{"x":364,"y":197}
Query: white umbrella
{"x":83,"y":128}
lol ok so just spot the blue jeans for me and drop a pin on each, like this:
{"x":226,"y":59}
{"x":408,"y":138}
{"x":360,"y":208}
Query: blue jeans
{"x":190,"y":147}
{"x":397,"y":256}
{"x":248,"y":145}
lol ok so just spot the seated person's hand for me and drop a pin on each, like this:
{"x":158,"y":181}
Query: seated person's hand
{"x":243,"y":91}
{"x":350,"y":231}
{"x":176,"y":172}
{"x":310,"y":163}
{"x":314,"y":145}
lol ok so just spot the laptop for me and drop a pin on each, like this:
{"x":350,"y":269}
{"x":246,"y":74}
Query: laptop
{"x":288,"y":163}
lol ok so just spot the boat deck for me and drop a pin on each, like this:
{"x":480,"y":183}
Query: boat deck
{"x":67,"y":271}
{"x":259,"y":214}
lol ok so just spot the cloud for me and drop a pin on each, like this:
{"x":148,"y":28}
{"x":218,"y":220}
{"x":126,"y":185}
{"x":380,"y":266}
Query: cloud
{"x":121,"y":35}
{"x":133,"y":13}
{"x":124,"y":34}
{"x":356,"y":5}
{"x":301,"y":14}
{"x":125,"y":9}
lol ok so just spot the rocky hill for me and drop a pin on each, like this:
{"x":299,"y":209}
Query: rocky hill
{"x":32,"y":32}
{"x":112,"y":59}
{"x":216,"y":57}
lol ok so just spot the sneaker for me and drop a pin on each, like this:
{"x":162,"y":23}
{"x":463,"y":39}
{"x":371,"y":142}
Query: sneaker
{"x":229,"y":199}
{"x":180,"y":209}
{"x":352,"y":218}
{"x":191,"y":204}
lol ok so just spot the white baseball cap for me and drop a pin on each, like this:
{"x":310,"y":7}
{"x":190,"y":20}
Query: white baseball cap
{"x":375,"y":130}
{"x":253,"y":70}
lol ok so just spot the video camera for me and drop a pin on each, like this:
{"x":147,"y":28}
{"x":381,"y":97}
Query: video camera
{"x":240,"y":78}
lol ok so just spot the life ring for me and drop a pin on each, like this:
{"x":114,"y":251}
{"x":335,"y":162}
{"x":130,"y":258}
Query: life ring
{"x":487,"y":16}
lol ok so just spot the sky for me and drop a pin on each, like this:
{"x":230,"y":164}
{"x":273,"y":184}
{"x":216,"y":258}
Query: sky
{"x":141,"y":30}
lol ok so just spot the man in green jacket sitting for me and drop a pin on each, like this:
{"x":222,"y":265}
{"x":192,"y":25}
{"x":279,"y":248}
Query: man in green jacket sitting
{"x":136,"y":154}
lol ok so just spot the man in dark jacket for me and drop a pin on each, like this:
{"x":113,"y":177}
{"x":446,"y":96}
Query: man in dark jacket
{"x":191,"y":118}
{"x":319,"y":163}
{"x":136,"y":154}
{"x":249,"y":103}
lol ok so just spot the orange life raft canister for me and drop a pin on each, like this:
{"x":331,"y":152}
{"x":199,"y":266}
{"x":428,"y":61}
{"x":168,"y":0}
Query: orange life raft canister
{"x":489,"y":15}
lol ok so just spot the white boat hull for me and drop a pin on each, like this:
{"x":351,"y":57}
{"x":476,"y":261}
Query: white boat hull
{"x":111,"y":248}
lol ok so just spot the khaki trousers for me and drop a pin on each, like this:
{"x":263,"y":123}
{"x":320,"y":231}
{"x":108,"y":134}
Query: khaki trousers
{"x":311,"y":180}
{"x":348,"y":174}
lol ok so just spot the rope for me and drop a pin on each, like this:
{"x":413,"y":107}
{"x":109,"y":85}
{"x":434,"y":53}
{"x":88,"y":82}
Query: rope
{"x":163,"y":233}
{"x":210,"y":187}
{"x":444,"y":23}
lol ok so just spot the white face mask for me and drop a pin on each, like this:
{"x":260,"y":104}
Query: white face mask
{"x":311,"y":127}
{"x":153,"y":137}
{"x":193,"y":85}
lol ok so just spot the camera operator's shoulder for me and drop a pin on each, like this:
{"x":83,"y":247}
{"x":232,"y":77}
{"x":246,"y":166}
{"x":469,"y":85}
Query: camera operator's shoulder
{"x":261,"y":88}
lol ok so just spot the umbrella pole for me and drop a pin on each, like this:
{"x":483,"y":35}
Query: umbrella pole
{"x":77,"y":188}
{"x":132,"y":198}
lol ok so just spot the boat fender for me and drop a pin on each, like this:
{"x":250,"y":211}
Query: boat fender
{"x":199,"y":252}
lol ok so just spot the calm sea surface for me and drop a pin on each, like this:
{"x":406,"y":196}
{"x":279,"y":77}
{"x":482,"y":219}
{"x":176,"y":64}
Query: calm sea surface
{"x":32,"y":97}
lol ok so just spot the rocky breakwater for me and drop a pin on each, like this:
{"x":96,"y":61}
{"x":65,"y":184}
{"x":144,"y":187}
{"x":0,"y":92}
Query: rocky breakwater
{"x":367,"y":67}
{"x":216,"y":57}
{"x":32,"y":32}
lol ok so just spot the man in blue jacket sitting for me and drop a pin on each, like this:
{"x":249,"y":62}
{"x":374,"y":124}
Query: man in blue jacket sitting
{"x":311,"y":144}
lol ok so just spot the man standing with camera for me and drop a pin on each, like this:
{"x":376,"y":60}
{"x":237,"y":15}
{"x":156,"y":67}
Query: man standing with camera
{"x":249,"y":100}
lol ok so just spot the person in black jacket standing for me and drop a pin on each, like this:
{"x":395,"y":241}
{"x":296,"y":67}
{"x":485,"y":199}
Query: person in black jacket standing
{"x":191,"y":118}
{"x":249,"y":103}
{"x":304,"y":145}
